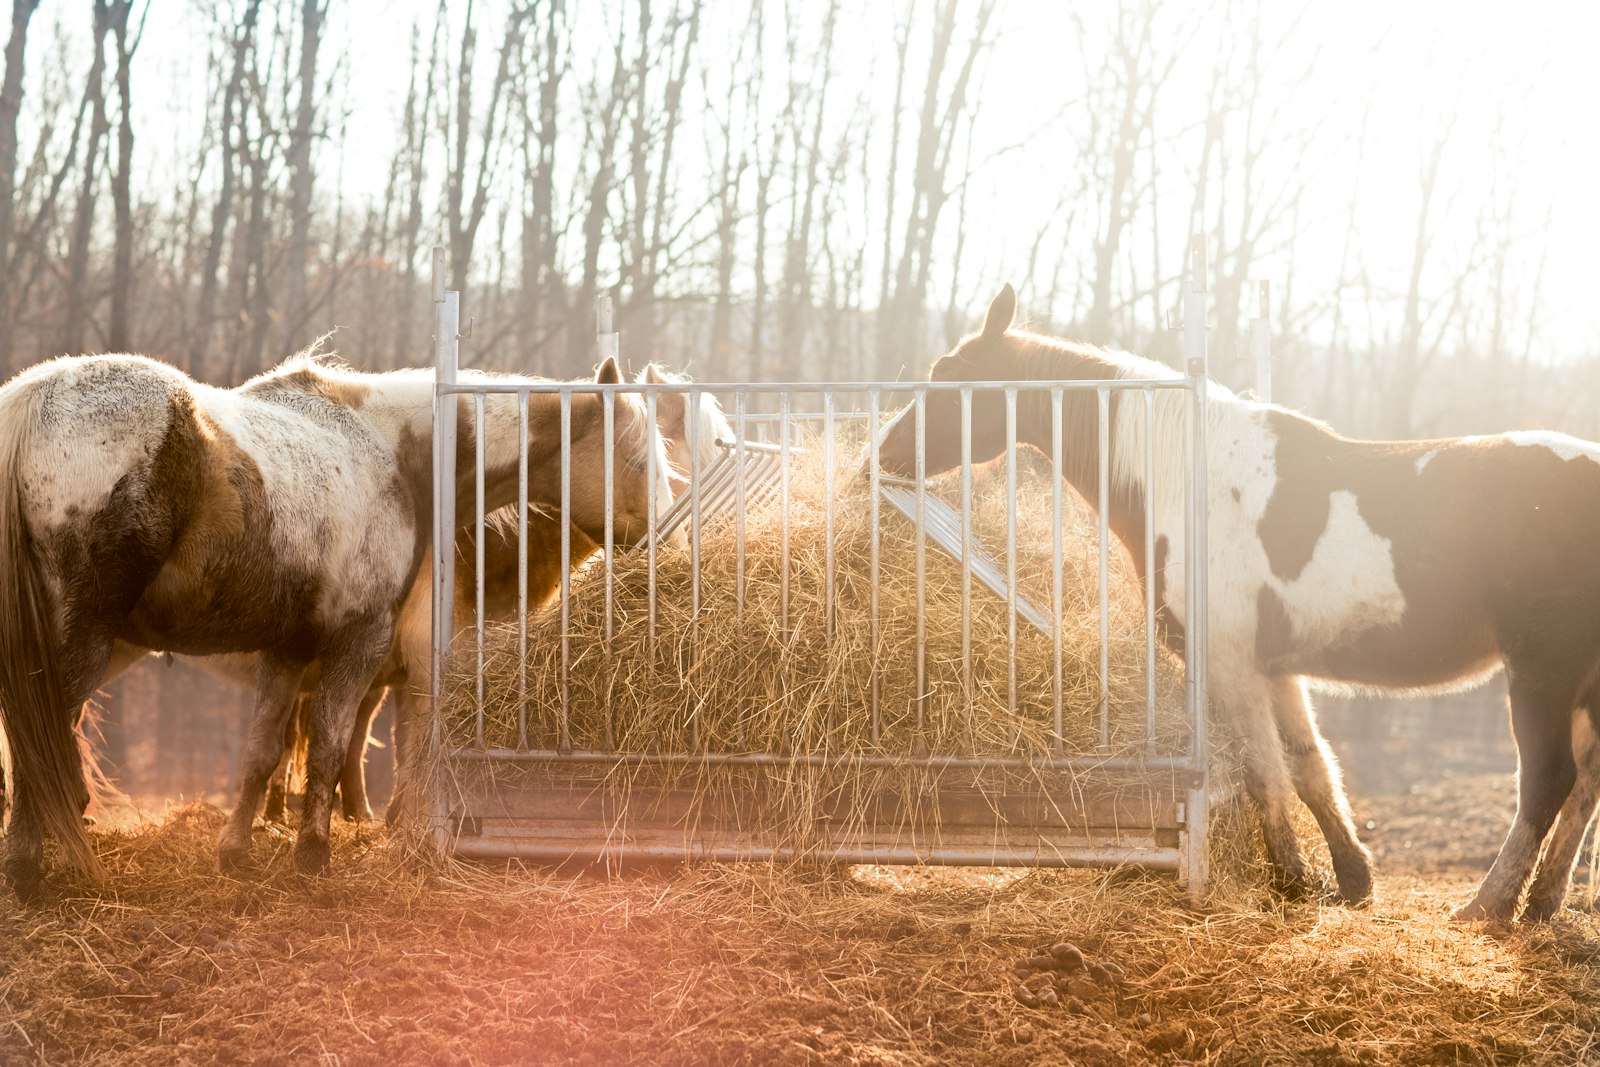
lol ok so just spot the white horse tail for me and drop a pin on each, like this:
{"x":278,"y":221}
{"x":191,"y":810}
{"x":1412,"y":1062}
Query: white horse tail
{"x":39,"y":727}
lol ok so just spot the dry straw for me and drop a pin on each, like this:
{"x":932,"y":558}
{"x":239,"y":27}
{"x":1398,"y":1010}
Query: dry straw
{"x":769,"y":663}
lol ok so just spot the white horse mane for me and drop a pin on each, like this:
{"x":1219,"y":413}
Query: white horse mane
{"x":711,"y":425}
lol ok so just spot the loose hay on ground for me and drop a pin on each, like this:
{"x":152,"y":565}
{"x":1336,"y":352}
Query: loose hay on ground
{"x":397,"y":961}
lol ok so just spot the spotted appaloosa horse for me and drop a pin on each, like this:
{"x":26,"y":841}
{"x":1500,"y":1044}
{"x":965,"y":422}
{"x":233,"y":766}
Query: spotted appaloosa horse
{"x":286,"y":517}
{"x":1385,"y":565}
{"x":407,"y":674}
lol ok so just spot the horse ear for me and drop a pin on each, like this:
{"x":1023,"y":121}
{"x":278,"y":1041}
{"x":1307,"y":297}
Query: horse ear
{"x":651,"y":375}
{"x":1002,"y":310}
{"x":609,"y":373}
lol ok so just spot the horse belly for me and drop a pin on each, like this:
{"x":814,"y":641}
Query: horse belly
{"x":177,"y":615}
{"x":1397,"y":659}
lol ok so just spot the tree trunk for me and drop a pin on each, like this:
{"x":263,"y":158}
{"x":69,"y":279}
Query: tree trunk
{"x":10,"y":106}
{"x":301,"y":179}
{"x":88,"y":190}
{"x":117,"y":333}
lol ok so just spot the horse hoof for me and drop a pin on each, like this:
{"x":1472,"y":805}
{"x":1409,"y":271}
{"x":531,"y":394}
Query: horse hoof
{"x":26,"y":883}
{"x":1540,"y":910}
{"x":1477,"y":911}
{"x":1295,"y":887}
{"x":232,"y":858}
{"x":1356,"y":892}
{"x":311,"y":855}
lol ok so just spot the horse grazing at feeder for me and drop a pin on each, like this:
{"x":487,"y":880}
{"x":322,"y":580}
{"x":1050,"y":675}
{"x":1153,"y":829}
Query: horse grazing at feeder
{"x":285,"y":517}
{"x":1386,"y":565}
{"x":407,"y":674}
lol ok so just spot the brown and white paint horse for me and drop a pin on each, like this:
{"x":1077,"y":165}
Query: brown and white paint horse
{"x":286,"y":517}
{"x":1386,"y":565}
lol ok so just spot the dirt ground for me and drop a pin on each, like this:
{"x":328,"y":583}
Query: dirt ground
{"x":395,"y":962}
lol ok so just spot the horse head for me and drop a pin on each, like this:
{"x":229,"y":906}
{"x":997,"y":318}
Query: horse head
{"x":991,"y":354}
{"x":691,"y":446}
{"x":637,"y":454}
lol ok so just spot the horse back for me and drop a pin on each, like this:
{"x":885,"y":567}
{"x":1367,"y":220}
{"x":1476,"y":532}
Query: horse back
{"x":1413,"y":563}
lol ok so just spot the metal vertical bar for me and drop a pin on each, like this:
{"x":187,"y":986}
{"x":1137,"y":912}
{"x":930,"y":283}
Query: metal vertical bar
{"x":447,"y":323}
{"x":827,"y":512}
{"x":739,"y":455}
{"x":921,"y":697}
{"x":1261,"y":342}
{"x":966,"y":555}
{"x":652,"y":506}
{"x":607,"y":342}
{"x":1197,"y":810}
{"x":1057,"y":595}
{"x":477,"y":554}
{"x":783,"y":561}
{"x":1011,"y":551}
{"x":1103,"y":398}
{"x":1149,"y":568}
{"x":522,"y":570}
{"x":608,"y":405}
{"x":873,"y":490}
{"x":563,"y":736}
{"x":691,"y":418}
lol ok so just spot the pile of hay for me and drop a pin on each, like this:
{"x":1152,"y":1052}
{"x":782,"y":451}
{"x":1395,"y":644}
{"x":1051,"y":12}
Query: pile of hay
{"x":795,"y":675}
{"x":762,"y":679}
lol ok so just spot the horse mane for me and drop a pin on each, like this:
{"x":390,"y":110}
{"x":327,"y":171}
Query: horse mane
{"x":712,"y":422}
{"x":1041,"y":358}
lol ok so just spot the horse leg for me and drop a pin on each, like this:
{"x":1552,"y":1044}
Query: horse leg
{"x":1316,"y":777}
{"x":1549,"y":889}
{"x":406,"y":733}
{"x":1541,"y":722}
{"x":350,"y":661}
{"x":1248,"y":703}
{"x":277,"y":682}
{"x":277,"y":806}
{"x":353,"y":779}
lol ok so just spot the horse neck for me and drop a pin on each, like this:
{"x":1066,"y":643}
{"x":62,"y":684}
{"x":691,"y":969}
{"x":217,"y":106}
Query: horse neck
{"x":1080,"y":434}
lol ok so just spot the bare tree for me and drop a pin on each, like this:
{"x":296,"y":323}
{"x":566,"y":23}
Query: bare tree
{"x":243,"y":39}
{"x":118,"y":336}
{"x":313,"y":15}
{"x":10,"y":107}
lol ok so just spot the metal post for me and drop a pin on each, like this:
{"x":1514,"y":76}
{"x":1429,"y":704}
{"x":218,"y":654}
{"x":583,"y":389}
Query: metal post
{"x":607,"y":341}
{"x":1197,"y":813}
{"x":447,"y":326}
{"x":1261,"y":343}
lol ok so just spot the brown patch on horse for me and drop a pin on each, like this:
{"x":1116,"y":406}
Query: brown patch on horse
{"x":308,"y":379}
{"x":1297,"y":513}
{"x":223,"y":545}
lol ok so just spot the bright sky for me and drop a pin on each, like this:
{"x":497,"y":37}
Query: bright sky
{"x":1525,"y":77}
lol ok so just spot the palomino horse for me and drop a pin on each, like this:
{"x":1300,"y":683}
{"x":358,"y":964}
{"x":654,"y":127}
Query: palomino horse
{"x":281,"y":517}
{"x":688,"y":452}
{"x":1391,"y":565}
{"x":407,"y":673}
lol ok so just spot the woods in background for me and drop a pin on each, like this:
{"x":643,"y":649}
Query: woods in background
{"x":770,"y":190}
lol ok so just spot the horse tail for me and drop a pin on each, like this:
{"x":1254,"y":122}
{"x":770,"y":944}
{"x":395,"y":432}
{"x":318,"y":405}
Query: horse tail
{"x":300,"y":746}
{"x":46,"y":757}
